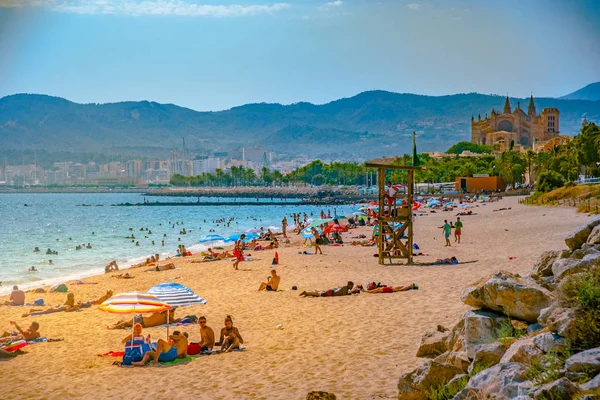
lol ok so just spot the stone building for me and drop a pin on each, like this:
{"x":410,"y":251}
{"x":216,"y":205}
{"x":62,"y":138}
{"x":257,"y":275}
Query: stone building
{"x":526,"y":130}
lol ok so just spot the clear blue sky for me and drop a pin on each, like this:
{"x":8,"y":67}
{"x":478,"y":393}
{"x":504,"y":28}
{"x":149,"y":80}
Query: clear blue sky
{"x":211,"y":54}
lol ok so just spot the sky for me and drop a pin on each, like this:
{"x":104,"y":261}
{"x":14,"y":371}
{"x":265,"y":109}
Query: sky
{"x":214,"y":55}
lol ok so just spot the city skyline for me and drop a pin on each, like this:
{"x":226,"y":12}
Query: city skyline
{"x":214,"y":55}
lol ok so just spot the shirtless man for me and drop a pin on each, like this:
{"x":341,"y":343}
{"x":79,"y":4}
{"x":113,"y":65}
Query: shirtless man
{"x":155,"y":319}
{"x":17,"y":297}
{"x":230,"y":336}
{"x":272,"y":282}
{"x":166,"y":351}
{"x":207,"y":336}
{"x":28,"y":334}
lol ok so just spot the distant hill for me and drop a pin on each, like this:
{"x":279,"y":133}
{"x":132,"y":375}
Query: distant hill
{"x":370,"y":124}
{"x":590,"y":92}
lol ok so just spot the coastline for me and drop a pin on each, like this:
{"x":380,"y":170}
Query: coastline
{"x":355,"y":346}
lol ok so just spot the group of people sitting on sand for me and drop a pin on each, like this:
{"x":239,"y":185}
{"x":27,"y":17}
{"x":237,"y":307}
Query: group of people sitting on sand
{"x":179,"y":346}
{"x":350,"y":288}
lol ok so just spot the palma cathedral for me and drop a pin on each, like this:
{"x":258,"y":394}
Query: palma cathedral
{"x":525,"y":130}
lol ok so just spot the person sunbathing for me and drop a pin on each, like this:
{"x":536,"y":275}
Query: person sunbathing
{"x":155,"y":319}
{"x":69,"y":305}
{"x":339,"y":291}
{"x":230,"y":336}
{"x":123,"y":276}
{"x":28,"y":334}
{"x":272,"y":282}
{"x":391,"y":289}
{"x":17,"y":297}
{"x":102,"y":299}
{"x":166,"y":351}
{"x":162,"y":267}
{"x":451,"y":260}
{"x":207,"y":336}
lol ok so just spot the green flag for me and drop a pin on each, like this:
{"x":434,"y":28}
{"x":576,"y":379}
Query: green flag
{"x":415,"y":156}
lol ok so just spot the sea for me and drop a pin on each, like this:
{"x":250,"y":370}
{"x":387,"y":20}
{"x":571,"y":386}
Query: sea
{"x":60,"y":222}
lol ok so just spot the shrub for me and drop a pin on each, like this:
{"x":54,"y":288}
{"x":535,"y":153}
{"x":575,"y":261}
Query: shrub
{"x":508,"y":330}
{"x":548,"y":181}
{"x":582,"y":292}
{"x":548,"y":370}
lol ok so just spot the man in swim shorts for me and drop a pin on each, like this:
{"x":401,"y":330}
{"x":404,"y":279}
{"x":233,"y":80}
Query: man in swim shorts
{"x":272,"y":282}
{"x":166,"y":351}
{"x":207,"y":335}
{"x":446,"y":229}
{"x":457,"y":229}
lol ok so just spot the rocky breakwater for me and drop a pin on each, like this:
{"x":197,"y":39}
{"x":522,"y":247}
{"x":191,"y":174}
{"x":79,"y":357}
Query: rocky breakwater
{"x":534,"y":337}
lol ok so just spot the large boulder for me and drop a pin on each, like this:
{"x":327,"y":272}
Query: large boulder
{"x":594,"y":237}
{"x":417,"y":383}
{"x":580,"y":236}
{"x":509,"y":294}
{"x":549,"y":341}
{"x":480,"y":327}
{"x":592,"y":384}
{"x":433,"y":343}
{"x":569,"y":266}
{"x":458,"y":359}
{"x":559,"y":389}
{"x":523,"y":351}
{"x":561,"y":320}
{"x":584,"y":251}
{"x":506,"y":381}
{"x":543,"y":266}
{"x":587,"y":361}
{"x":487,"y":355}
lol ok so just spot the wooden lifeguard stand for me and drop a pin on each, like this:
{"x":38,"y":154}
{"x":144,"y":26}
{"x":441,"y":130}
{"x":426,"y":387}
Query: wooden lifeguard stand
{"x":396,"y":213}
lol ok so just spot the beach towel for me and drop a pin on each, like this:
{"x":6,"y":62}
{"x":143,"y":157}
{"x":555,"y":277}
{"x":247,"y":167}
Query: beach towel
{"x":112,"y":354}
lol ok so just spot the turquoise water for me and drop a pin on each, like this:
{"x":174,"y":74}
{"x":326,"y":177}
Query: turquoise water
{"x":58,"y":222}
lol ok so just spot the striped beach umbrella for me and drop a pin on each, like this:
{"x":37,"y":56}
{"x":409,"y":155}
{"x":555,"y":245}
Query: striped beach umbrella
{"x":175,"y":294}
{"x":134,"y":302}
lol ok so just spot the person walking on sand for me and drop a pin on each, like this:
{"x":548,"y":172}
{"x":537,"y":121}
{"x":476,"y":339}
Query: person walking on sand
{"x":457,"y":230}
{"x":238,"y":251}
{"x":284,"y":226}
{"x":446,"y":228}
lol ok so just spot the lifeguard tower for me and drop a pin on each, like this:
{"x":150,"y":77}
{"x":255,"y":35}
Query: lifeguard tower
{"x":394,"y":219}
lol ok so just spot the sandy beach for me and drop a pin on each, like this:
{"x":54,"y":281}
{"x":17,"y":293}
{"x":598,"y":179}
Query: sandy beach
{"x":354,"y":346}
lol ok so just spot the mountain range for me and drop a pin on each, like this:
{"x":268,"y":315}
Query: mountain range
{"x":370,"y":124}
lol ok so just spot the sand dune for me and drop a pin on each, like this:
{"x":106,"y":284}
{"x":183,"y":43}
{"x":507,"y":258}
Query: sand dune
{"x":355,"y":346}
